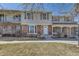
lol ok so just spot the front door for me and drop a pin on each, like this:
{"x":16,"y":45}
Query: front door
{"x":45,"y":30}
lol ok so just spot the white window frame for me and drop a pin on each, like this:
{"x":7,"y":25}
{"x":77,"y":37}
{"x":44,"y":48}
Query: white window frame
{"x":45,"y":26}
{"x":43,"y":16}
{"x":30,"y":29}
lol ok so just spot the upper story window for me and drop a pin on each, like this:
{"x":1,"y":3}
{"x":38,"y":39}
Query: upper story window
{"x":17,"y":17}
{"x":41,"y":16}
{"x":25,"y":15}
{"x":1,"y":17}
{"x":28,"y":15}
{"x":61,"y":19}
{"x":67,"y":19}
{"x":47,"y":15}
{"x":44,"y":16}
{"x":55,"y":18}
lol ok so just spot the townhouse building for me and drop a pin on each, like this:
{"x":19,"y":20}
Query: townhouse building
{"x":37,"y":23}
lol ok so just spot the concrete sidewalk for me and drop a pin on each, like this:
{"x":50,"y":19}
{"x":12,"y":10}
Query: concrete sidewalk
{"x":57,"y":41}
{"x":11,"y":40}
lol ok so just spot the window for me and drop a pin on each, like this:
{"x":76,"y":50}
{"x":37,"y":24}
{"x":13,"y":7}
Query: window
{"x":67,"y":19}
{"x":1,"y":17}
{"x":18,"y":28}
{"x":17,"y":17}
{"x":44,"y":15}
{"x":25,"y":15}
{"x":28,"y":16}
{"x":55,"y":18}
{"x":31,"y":29}
{"x":62,"y":19}
{"x":41,"y":16}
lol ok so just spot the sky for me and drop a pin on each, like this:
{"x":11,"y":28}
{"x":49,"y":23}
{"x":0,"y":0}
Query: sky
{"x":55,"y":7}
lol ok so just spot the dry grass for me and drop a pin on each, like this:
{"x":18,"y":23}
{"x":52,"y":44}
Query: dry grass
{"x":36,"y":49}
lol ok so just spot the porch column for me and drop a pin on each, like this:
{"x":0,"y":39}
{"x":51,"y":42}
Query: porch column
{"x":4,"y":18}
{"x":69,"y":31}
{"x":61,"y":29}
{"x":52,"y":30}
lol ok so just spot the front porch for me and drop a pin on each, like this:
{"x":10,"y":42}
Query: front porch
{"x":50,"y":30}
{"x":8,"y":28}
{"x":38,"y":30}
{"x":64,"y":30}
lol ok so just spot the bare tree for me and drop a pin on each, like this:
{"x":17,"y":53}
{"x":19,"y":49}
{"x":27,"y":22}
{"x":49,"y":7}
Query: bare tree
{"x":76,"y":14}
{"x":33,"y":6}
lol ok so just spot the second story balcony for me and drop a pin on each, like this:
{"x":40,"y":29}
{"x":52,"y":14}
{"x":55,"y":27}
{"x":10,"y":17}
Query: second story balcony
{"x":12,"y":19}
{"x":66,"y":19}
{"x":37,"y":21}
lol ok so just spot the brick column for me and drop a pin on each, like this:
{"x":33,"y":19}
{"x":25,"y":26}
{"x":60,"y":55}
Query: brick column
{"x":24,"y":29}
{"x":50,"y":29}
{"x":39,"y":29}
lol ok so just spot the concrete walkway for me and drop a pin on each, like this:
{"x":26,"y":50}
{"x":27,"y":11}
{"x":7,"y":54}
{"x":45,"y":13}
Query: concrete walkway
{"x":11,"y":40}
{"x":57,"y":41}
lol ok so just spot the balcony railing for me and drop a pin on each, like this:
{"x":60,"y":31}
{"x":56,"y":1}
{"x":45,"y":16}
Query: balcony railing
{"x":65,"y":22}
{"x":38,"y":21}
{"x":12,"y":20}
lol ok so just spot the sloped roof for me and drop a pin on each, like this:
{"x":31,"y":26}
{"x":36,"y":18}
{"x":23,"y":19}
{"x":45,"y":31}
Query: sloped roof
{"x":24,"y":10}
{"x":10,"y":10}
{"x":37,"y":7}
{"x":38,"y":11}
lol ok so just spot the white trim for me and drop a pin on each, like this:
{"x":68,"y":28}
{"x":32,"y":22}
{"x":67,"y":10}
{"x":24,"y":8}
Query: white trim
{"x":30,"y":29}
{"x":45,"y":26}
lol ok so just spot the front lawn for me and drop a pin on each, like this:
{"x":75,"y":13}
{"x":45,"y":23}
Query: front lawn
{"x":35,"y":49}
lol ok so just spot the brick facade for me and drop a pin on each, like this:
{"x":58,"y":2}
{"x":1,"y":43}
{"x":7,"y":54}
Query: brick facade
{"x":39,"y":29}
{"x":25,"y":29}
{"x":50,"y":29}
